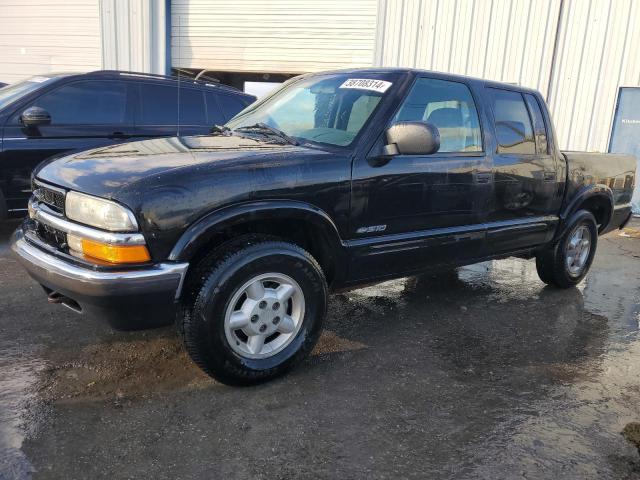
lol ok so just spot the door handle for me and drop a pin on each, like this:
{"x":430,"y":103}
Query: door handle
{"x":549,"y":176}
{"x":483,"y":177}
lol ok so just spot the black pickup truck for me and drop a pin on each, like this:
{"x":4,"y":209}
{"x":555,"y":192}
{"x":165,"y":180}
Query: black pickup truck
{"x":334,"y":181}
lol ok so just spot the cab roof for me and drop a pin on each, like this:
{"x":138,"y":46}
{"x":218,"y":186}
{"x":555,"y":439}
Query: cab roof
{"x":451,"y":76}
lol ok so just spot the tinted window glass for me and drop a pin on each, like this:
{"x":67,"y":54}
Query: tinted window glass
{"x":450,"y":107}
{"x":538,"y":123}
{"x":192,"y":108}
{"x":158,"y":105}
{"x":513,"y":125}
{"x":13,"y":92}
{"x":230,"y":105}
{"x":214,"y":114}
{"x":86,"y":103}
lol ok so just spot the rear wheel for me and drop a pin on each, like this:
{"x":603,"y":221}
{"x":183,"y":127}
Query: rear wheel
{"x":568,"y":261}
{"x":255,"y":311}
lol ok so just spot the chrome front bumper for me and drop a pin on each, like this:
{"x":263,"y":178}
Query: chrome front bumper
{"x":128,"y":298}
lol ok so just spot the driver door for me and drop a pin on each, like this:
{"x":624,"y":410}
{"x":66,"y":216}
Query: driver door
{"x":418,"y":210}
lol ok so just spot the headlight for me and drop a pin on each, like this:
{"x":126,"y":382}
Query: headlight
{"x":99,"y":212}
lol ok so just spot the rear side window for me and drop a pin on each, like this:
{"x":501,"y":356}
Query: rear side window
{"x":538,"y":123}
{"x":86,"y":103}
{"x":214,"y":112}
{"x":448,"y":106}
{"x":159,"y":106}
{"x":192,"y":107}
{"x":513,"y":125}
{"x":230,"y":105}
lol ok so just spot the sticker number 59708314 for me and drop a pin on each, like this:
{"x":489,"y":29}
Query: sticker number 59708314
{"x":367,"y":84}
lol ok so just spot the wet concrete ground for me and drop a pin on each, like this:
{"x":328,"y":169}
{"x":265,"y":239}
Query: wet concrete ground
{"x":485,"y":373}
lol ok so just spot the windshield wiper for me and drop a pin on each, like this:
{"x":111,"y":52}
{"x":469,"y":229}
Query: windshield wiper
{"x":262,"y":127}
{"x":220,"y":129}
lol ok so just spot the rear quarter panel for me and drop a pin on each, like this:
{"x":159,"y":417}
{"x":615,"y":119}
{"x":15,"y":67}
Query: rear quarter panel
{"x":616,"y":171}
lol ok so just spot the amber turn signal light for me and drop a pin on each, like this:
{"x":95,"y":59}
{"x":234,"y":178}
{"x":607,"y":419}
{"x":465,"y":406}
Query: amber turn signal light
{"x":109,"y":253}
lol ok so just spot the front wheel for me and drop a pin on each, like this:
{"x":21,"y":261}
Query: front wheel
{"x":258,"y":310}
{"x":568,"y":261}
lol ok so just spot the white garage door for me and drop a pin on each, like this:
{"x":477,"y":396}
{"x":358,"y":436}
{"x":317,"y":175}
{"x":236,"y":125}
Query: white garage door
{"x":288,"y":36}
{"x":41,"y":36}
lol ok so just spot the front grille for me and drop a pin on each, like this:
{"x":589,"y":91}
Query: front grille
{"x":46,"y":234}
{"x":51,"y":236}
{"x":50,"y":196}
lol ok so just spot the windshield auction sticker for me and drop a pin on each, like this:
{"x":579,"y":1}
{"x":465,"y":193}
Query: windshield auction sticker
{"x":374,"y":85}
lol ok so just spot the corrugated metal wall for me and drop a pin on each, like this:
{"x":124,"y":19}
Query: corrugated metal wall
{"x":288,"y":36}
{"x":40,"y":36}
{"x":134,"y":35}
{"x":597,"y":53}
{"x":481,"y":38}
{"x":513,"y":41}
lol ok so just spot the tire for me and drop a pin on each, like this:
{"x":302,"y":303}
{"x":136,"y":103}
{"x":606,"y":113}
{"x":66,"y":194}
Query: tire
{"x":224,"y":289}
{"x":552,"y":263}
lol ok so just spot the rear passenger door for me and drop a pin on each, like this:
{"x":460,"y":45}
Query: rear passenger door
{"x":158,"y":113}
{"x":525,"y":202}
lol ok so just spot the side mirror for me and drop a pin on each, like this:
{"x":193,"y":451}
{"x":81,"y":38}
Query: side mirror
{"x":35,"y":116}
{"x":412,"y":138}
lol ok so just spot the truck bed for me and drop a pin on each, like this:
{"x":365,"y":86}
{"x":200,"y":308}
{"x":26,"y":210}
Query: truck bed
{"x":613,"y":170}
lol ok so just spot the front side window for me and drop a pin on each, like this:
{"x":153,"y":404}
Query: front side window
{"x":331,"y":109}
{"x":448,"y":106}
{"x":513,"y":125}
{"x":11,"y":93}
{"x":86,"y":103}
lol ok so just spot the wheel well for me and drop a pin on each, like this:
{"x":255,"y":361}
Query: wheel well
{"x":600,"y":208}
{"x":309,"y":236}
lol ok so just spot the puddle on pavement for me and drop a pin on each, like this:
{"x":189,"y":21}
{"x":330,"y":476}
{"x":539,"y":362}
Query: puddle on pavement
{"x":580,"y":420}
{"x":19,"y":371}
{"x":579,"y":347}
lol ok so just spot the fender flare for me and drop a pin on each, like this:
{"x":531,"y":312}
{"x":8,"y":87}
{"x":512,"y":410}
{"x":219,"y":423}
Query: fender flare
{"x":585,"y":193}
{"x":203,"y":230}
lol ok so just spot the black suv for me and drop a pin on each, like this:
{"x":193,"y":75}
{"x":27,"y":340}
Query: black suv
{"x":57,"y":113}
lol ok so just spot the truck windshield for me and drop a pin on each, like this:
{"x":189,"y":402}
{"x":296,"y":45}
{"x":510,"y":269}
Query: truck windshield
{"x":329,"y":109}
{"x":12,"y":92}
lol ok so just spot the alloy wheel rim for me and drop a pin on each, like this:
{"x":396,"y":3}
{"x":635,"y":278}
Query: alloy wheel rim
{"x":264,"y":315}
{"x":578,"y":248}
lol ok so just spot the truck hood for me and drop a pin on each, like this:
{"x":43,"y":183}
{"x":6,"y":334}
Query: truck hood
{"x":107,"y":170}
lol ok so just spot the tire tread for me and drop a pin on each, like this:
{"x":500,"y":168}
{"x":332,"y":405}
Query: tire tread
{"x":201,"y":282}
